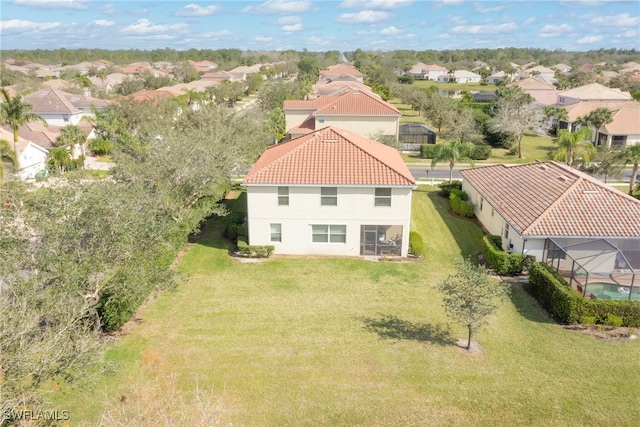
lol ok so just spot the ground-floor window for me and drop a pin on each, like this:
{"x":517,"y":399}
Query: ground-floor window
{"x":329,"y":233}
{"x":380,"y":240}
{"x":275,"y":231}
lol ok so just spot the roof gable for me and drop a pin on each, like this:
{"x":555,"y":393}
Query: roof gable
{"x":356,"y":102}
{"x":51,"y":101}
{"x":554,"y":200}
{"x":595,"y":91}
{"x":330,"y":157}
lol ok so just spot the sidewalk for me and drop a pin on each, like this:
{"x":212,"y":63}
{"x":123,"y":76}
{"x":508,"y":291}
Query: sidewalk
{"x":93,"y":163}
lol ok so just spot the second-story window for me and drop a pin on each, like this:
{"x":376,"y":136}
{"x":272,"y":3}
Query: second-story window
{"x":328,"y":196}
{"x":383,"y":197}
{"x":283,"y":196}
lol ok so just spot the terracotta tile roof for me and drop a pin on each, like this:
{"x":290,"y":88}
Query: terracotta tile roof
{"x":51,"y":101}
{"x":311,"y":104}
{"x":532,"y":84}
{"x":330,"y":156}
{"x":149,"y":95}
{"x":358,"y":103}
{"x":38,"y":133}
{"x":341,"y":69}
{"x":548,"y":199}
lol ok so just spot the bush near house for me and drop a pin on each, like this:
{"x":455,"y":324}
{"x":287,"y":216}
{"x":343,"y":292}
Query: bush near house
{"x":501,"y":262}
{"x":254,"y":251}
{"x":568,"y":306}
{"x":482,"y":152}
{"x":427,"y":151}
{"x":416,"y":244}
{"x":460,"y":205}
{"x":447,"y":187}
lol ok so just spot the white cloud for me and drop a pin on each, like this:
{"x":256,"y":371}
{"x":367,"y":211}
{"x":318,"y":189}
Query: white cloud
{"x":390,"y":31}
{"x":450,"y":2}
{"x":196,"y":10}
{"x":279,"y":6}
{"x":22,"y":25}
{"x":482,"y":9}
{"x":364,"y":16}
{"x":529,"y":21}
{"x":629,"y":34}
{"x":289,"y":20}
{"x":619,"y":20}
{"x":581,"y":4}
{"x":292,"y":28}
{"x":589,"y":39}
{"x":263,"y":39}
{"x":457,"y":20}
{"x":216,"y":34}
{"x":375,"y":4}
{"x":54,"y":4}
{"x":485,"y":29}
{"x":143,"y":27}
{"x":318,"y":41}
{"x":554,"y":30}
{"x":109,"y":9}
{"x":102,"y":23}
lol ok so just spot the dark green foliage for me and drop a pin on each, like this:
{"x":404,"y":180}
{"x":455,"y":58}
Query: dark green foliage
{"x":427,"y":151}
{"x":447,"y":187}
{"x":501,"y":262}
{"x":460,"y":205}
{"x":406,"y":80}
{"x":100,"y":147}
{"x":569,"y":306}
{"x":482,"y":152}
{"x":416,"y":244}
{"x":253,"y":251}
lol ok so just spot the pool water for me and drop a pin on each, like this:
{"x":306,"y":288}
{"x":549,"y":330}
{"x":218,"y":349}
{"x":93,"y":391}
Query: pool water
{"x":613,"y":291}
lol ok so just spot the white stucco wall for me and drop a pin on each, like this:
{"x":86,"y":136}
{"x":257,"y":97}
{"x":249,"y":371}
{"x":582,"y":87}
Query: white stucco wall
{"x":355,"y":208}
{"x":367,"y":126}
{"x":296,"y":117}
{"x":32,"y":160}
{"x":57,"y":119}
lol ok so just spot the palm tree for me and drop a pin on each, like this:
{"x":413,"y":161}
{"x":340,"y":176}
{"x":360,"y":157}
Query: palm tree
{"x":597,"y":118}
{"x":15,"y":113}
{"x":59,"y":158}
{"x":452,"y":152}
{"x":632,"y":155}
{"x":572,"y":145}
{"x":6,"y":153}
{"x":72,"y":135}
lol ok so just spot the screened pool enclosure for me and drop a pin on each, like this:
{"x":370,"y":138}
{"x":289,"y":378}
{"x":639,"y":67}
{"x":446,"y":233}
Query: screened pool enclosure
{"x":597,"y":268}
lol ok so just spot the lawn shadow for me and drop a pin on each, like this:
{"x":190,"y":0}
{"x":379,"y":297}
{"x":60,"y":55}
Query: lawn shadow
{"x":392,"y":327}
{"x":466,"y":232}
{"x":212,"y":230}
{"x":527,"y":306}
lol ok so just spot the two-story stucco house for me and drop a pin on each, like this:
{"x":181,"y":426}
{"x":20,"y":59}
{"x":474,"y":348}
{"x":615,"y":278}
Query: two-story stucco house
{"x":330,"y":192}
{"x":360,"y":112}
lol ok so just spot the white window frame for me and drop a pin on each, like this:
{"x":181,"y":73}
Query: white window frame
{"x":382,"y":199}
{"x":283,"y":199}
{"x":275,"y":232}
{"x":329,"y":233}
{"x":328,"y":196}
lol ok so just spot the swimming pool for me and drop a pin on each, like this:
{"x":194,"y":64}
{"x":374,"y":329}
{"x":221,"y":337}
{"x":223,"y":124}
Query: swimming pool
{"x":613,"y":291}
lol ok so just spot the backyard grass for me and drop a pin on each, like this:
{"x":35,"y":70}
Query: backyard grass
{"x":342,"y":341}
{"x":471,"y":87}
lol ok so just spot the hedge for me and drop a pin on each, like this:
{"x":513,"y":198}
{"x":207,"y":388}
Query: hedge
{"x":447,"y":187}
{"x":416,"y":244}
{"x":569,"y":306}
{"x":253,"y":251}
{"x":459,"y":205}
{"x":482,"y":152}
{"x":501,"y":262}
{"x":427,"y":151}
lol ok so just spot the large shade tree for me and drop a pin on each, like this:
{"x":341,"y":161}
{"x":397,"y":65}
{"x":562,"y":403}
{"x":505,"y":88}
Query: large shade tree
{"x":452,"y":153}
{"x":15,"y":112}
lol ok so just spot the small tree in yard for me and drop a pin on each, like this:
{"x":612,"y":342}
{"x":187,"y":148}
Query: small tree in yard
{"x":470,"y":296}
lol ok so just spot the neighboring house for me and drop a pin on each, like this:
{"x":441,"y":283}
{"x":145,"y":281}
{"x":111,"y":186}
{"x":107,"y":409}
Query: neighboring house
{"x":496,"y":78}
{"x":460,"y":76}
{"x":203,"y":66}
{"x":38,"y":133}
{"x":563,"y":68}
{"x":624,"y":130}
{"x":32,"y":158}
{"x":110,"y":83}
{"x":361,"y":112}
{"x":542,"y":93}
{"x":331,"y":73}
{"x":414,"y":135}
{"x":330,"y":192}
{"x":427,"y":72}
{"x":545,"y":73}
{"x":336,"y":88}
{"x":55,"y":107}
{"x":592,"y":92}
{"x":559,"y":211}
{"x":484,"y":97}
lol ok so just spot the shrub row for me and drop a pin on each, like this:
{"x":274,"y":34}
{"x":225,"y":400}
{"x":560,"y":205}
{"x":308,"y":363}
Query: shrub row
{"x":460,"y":205}
{"x":481,"y":152}
{"x":416,"y":244}
{"x":569,"y":306}
{"x":254,"y":251}
{"x":501,"y":262}
{"x":447,"y":187}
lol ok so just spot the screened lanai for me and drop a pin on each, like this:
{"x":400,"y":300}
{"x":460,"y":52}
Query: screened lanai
{"x":597,"y":268}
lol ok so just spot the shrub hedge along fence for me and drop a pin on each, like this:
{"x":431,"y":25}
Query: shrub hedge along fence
{"x":460,"y":205}
{"x":501,"y":262}
{"x":569,"y":306}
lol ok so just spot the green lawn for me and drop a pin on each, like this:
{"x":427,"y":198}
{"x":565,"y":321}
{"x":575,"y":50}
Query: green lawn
{"x":471,"y":87}
{"x":330,"y":341}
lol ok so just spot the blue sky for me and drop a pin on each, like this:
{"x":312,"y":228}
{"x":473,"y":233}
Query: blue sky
{"x":319,"y":25}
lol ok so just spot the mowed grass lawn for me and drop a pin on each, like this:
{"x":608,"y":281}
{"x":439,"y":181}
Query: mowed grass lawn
{"x":328,"y":341}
